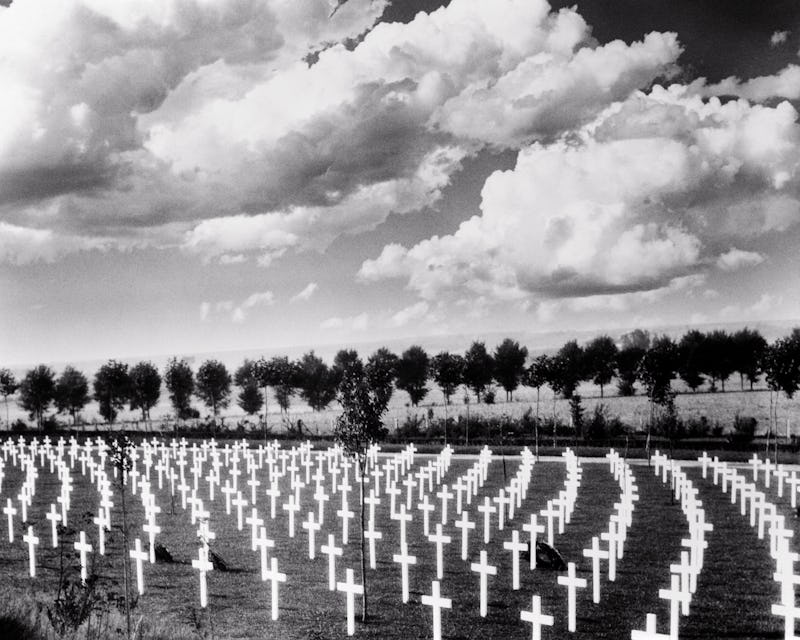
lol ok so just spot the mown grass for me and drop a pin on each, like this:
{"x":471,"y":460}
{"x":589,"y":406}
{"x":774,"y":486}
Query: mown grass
{"x":733,"y":597}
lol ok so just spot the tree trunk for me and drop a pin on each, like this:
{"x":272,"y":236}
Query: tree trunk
{"x":601,"y":390}
{"x":363,"y":466}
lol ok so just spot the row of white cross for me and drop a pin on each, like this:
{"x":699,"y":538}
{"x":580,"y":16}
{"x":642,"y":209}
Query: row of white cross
{"x":683,"y":575}
{"x":765,"y":518}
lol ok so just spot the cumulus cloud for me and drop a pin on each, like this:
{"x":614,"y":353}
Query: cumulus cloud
{"x":179,"y":123}
{"x":736,"y":259}
{"x":411,"y":313}
{"x":305,"y":293}
{"x":638,"y":198}
{"x":236,"y":312}
{"x":358,"y":322}
{"x":24,"y":245}
{"x":784,"y":84}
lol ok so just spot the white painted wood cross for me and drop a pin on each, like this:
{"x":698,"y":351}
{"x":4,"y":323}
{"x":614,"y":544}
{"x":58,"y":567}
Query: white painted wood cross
{"x":83,"y":547}
{"x":650,"y":632}
{"x":487,"y":510}
{"x":32,"y":542}
{"x":139,"y":556}
{"x":465,"y":524}
{"x":404,"y":560}
{"x":571,"y":582}
{"x":331,"y":550}
{"x":485,"y":570}
{"x":203,"y":565}
{"x":439,"y":539}
{"x":275,"y":577}
{"x":437,"y":603}
{"x":54,"y":517}
{"x":350,"y":589}
{"x":312,"y":527}
{"x":516,"y":548}
{"x":536,"y":618}
{"x":675,"y":595}
{"x":596,"y":554}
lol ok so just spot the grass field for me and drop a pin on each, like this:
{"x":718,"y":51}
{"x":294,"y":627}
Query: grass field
{"x":735,"y":588}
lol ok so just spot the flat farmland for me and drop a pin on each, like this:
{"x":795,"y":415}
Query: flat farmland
{"x":733,"y":598}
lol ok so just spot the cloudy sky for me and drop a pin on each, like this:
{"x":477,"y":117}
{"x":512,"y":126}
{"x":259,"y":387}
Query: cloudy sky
{"x":201,"y":175}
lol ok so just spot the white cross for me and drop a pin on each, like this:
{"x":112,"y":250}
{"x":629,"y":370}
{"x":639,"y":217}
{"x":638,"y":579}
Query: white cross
{"x":263,"y":543}
{"x":650,"y":632}
{"x":426,"y":507}
{"x":571,"y":583}
{"x":550,"y":512}
{"x":240,"y":503}
{"x":346,"y":515}
{"x":312,"y":527}
{"x":404,"y":559}
{"x":292,"y":507}
{"x":203,"y":566}
{"x":533,"y":528}
{"x":255,"y":522}
{"x":83,"y":548}
{"x":275,"y":577}
{"x":372,"y":535}
{"x":444,"y":495}
{"x":515,"y":547}
{"x":676,"y":596}
{"x":32,"y":541}
{"x":612,"y":538}
{"x":487,"y":509}
{"x":10,"y":511}
{"x":321,"y":497}
{"x":403,"y":517}
{"x":331,"y":550}
{"x":350,"y":589}
{"x":502,"y":500}
{"x":439,"y":540}
{"x":536,"y":618}
{"x":151,"y":529}
{"x":465,"y":524}
{"x":54,"y":517}
{"x":139,"y":556}
{"x":485,"y":570}
{"x":102,"y":522}
{"x":596,"y":554}
{"x":437,"y":603}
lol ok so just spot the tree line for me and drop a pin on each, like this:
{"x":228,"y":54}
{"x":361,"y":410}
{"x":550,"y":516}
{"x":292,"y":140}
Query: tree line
{"x":697,"y":358}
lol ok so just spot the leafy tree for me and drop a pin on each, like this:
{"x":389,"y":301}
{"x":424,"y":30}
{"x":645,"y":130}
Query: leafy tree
{"x":285,"y":380}
{"x":537,"y":375}
{"x":748,"y":348}
{"x":632,"y":348}
{"x":478,"y":369}
{"x":360,"y":425}
{"x":344,"y":361}
{"x":248,"y":379}
{"x":509,"y":365}
{"x":316,"y":381}
{"x":112,"y":388}
{"x":381,"y":372}
{"x":717,"y":360}
{"x":250,"y":399}
{"x":179,"y":379}
{"x":600,"y":358}
{"x":214,"y":385}
{"x":36,"y":392}
{"x":72,"y":392}
{"x":8,"y":387}
{"x":412,"y":373}
{"x":567,"y":369}
{"x":448,"y":373}
{"x":781,"y":365}
{"x":690,"y":354}
{"x":145,"y":388}
{"x":656,"y":370}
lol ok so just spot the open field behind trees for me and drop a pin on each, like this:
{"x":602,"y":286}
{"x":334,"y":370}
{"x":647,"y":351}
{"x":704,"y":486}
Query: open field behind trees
{"x":718,"y":408}
{"x":734,"y":592}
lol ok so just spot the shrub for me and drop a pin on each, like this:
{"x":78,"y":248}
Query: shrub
{"x":744,"y":430}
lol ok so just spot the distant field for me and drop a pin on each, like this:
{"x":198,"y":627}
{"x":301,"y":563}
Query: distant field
{"x":718,"y":408}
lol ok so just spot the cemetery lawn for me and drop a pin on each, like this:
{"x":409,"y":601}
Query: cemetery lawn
{"x":734,"y":593}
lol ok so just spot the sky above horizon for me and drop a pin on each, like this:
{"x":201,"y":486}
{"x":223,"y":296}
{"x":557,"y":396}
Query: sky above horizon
{"x":189,"y":175}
